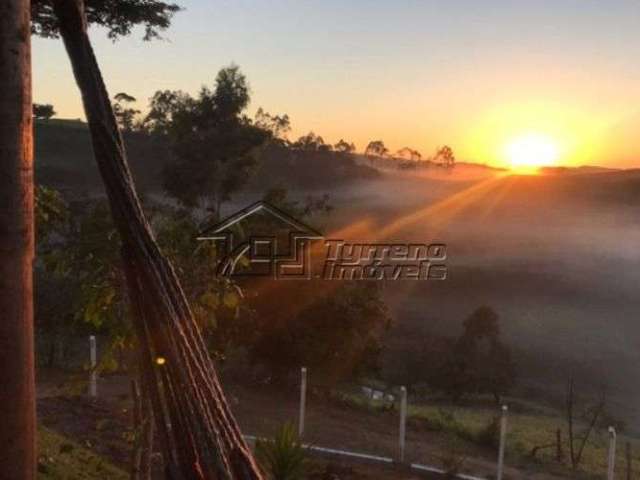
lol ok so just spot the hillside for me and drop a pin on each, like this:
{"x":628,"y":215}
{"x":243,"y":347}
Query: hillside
{"x":64,"y":157}
{"x":64,"y":160}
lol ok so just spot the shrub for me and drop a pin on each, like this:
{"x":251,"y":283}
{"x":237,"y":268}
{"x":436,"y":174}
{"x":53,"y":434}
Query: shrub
{"x":489,"y":435}
{"x":282,"y":457}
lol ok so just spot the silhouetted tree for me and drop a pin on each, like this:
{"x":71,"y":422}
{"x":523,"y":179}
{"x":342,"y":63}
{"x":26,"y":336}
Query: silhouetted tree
{"x":214,"y":145}
{"x":118,"y":17}
{"x":445,"y":157}
{"x":278,"y":126}
{"x":374,"y":149}
{"x":407,"y":153}
{"x":162,"y":107}
{"x":125,"y":115}
{"x":479,"y":362}
{"x":311,"y":143}
{"x":43,"y":111}
{"x":344,"y":147}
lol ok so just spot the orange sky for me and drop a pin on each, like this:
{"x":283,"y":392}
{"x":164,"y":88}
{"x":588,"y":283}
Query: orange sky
{"x":412,"y":73}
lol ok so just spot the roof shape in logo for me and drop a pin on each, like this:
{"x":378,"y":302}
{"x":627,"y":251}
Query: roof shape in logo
{"x":261,"y":206}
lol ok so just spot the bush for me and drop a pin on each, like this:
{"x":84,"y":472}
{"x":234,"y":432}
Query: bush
{"x":282,"y":457}
{"x":489,"y":435}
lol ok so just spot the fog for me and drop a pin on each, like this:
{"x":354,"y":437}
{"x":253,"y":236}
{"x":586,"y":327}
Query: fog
{"x":555,"y":255}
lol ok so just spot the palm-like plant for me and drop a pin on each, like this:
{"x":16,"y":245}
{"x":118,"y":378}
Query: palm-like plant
{"x":282,"y":457}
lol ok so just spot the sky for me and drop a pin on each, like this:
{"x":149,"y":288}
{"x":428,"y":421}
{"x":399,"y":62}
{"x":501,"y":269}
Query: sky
{"x":474,"y":74}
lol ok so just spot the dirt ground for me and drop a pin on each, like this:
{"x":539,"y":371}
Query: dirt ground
{"x":104,"y":425}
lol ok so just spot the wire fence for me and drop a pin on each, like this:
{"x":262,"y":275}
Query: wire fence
{"x":387,"y":426}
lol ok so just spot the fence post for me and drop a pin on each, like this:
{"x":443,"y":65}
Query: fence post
{"x":503,"y":435}
{"x":303,"y":400}
{"x":628,"y":455}
{"x":612,"y":453}
{"x":403,"y":421}
{"x":93,"y":387}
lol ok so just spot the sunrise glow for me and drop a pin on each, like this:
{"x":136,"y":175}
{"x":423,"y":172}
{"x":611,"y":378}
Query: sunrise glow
{"x":531,"y":151}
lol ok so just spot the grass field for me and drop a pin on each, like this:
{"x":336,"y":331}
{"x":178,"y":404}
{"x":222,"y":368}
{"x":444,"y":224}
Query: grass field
{"x":529,"y":426}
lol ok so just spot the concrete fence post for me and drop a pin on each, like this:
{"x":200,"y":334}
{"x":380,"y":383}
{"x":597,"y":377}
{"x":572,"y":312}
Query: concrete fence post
{"x":503,"y":439}
{"x":629,"y":461}
{"x":611,"y":463}
{"x":93,"y":360}
{"x":303,"y":400}
{"x":403,"y":422}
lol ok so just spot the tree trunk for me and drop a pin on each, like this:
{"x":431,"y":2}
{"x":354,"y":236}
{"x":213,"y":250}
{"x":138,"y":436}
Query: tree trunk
{"x":17,"y":385}
{"x":198,"y":434}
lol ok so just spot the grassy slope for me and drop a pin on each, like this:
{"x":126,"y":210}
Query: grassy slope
{"x":528,"y":426}
{"x":60,"y":458}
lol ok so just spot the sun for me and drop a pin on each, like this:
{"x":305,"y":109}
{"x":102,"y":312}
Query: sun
{"x":528,"y":152}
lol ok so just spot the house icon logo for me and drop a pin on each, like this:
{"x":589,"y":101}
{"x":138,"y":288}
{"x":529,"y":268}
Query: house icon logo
{"x":262,"y":240}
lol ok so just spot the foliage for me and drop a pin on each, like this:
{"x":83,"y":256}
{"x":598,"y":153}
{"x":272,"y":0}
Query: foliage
{"x":217,"y":303}
{"x":445,"y":157}
{"x":478,"y":362}
{"x":278,"y":126}
{"x":80,"y":286}
{"x":125,"y":115}
{"x":282,"y":457}
{"x":43,"y":111}
{"x":118,"y":17}
{"x":162,"y":107}
{"x":311,"y":143}
{"x":311,"y":206}
{"x":489,"y":434}
{"x":344,"y":147}
{"x":334,"y":329}
{"x":376,"y":148}
{"x":409,"y":154}
{"x":308,"y":164}
{"x":214,"y":145}
{"x":82,"y":255}
{"x":51,"y":212}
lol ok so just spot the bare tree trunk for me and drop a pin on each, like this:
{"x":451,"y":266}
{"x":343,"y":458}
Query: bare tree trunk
{"x":17,"y":385}
{"x":569,"y":412}
{"x":559,"y":452}
{"x":198,"y":434}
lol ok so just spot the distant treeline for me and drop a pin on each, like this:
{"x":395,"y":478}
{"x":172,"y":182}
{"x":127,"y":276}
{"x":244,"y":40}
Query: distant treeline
{"x":64,"y":160}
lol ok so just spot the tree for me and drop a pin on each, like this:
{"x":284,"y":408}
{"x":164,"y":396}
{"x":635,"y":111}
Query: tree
{"x":336,"y":332}
{"x":17,"y":383}
{"x":43,"y":111}
{"x":278,"y":126}
{"x":162,"y":107}
{"x":407,"y":153}
{"x":125,"y":115}
{"x":118,"y":17}
{"x":197,"y":432}
{"x":591,"y":414}
{"x":374,"y":149}
{"x":445,"y":156}
{"x":478,"y":362}
{"x":333,"y":328}
{"x":311,"y":143}
{"x":214,"y":145}
{"x":344,"y":147}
